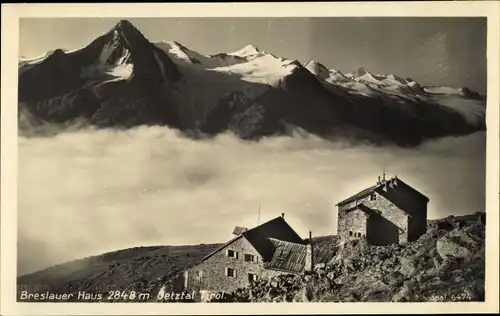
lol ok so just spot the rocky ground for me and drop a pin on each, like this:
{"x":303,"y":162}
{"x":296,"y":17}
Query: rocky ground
{"x":445,"y":264}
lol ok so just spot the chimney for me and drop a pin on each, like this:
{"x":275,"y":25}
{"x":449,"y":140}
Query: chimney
{"x":378,"y":181}
{"x":283,"y":215}
{"x":308,"y":265}
{"x":383,"y":177}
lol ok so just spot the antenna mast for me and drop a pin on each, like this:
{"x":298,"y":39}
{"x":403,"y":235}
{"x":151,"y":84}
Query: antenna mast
{"x":258,"y":216}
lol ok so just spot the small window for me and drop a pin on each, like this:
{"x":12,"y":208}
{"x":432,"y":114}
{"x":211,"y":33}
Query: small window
{"x":249,"y":258}
{"x":252,"y":277}
{"x":283,"y":254}
{"x":232,"y":254}
{"x":373,"y":197}
{"x":350,"y":233}
{"x":230,"y":272}
{"x":199,"y":274}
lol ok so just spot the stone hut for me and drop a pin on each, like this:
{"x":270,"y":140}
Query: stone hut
{"x":388,"y":212}
{"x":264,"y":251}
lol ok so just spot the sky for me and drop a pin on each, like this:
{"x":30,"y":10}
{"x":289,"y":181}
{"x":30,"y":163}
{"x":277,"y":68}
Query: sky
{"x":431,"y":50}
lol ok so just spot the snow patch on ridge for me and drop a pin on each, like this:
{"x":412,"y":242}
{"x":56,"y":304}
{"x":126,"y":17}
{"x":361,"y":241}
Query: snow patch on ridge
{"x":266,"y":69}
{"x":246,"y":51}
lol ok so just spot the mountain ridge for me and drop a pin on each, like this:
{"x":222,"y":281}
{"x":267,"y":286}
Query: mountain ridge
{"x":135,"y":82}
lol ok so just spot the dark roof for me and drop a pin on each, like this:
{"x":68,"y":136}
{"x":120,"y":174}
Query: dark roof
{"x":259,"y":237}
{"x":289,"y":256}
{"x":276,"y":228}
{"x":239,"y":230}
{"x":378,"y":188}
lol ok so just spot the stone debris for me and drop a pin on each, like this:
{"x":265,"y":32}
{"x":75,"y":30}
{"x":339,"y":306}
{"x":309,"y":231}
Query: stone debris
{"x":448,"y":259}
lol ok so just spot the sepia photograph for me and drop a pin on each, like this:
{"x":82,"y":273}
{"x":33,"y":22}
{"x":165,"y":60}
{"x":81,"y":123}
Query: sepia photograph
{"x":242,"y":159}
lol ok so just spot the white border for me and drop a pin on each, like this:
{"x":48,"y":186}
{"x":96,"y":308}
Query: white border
{"x":10,"y":30}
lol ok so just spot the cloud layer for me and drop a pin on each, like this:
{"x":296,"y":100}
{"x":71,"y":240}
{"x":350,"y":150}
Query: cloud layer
{"x":88,"y":191}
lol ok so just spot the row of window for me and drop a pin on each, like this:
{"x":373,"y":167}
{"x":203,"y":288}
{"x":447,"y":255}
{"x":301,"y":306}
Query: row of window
{"x":235,"y":254}
{"x":354,"y":234}
{"x":231,"y":273}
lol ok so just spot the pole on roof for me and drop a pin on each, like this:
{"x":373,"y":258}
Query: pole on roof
{"x":258,"y":216}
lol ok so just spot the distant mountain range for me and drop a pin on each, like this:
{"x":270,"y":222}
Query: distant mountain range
{"x":122,"y":80}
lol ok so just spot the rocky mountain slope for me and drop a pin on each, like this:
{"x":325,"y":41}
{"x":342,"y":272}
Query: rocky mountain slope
{"x":121,"y":80}
{"x":447,"y":263}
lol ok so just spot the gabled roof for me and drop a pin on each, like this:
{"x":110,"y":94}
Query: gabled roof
{"x":276,"y":228}
{"x":289,"y":256}
{"x":359,"y":195}
{"x":378,"y":188}
{"x":259,"y":236}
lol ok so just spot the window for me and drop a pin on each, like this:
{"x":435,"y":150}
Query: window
{"x":232,"y":254}
{"x":199,"y":274}
{"x":230,"y":272}
{"x":373,"y":197}
{"x":350,"y":233}
{"x":283,"y":254}
{"x":249,"y":258}
{"x":252,"y":277}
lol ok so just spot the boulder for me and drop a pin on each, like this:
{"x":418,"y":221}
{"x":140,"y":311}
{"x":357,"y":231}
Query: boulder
{"x":464,"y":236}
{"x":394,"y":279}
{"x":408,"y":268}
{"x":319,"y":266}
{"x":404,"y":294}
{"x":447,"y":247}
{"x":303,"y":295}
{"x":445,"y":225}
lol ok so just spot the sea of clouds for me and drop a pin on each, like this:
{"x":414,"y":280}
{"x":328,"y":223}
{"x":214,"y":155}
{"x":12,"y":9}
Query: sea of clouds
{"x":85,"y":191}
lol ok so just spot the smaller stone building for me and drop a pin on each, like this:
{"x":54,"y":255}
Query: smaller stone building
{"x":388,"y":212}
{"x":267,"y":250}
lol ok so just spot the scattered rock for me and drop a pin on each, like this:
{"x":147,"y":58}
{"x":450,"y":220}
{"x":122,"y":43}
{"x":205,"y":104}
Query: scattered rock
{"x":394,"y":279}
{"x":407,"y":267}
{"x":304,"y":295}
{"x":446,"y":247}
{"x":445,"y":225}
{"x":404,"y":294}
{"x":319,"y":266}
{"x":441,"y":261}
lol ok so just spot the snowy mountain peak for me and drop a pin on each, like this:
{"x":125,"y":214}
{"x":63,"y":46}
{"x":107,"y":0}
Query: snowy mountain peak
{"x":122,"y":79}
{"x":128,"y":33}
{"x":247,"y":51}
{"x":361,"y":71}
{"x":317,"y":69}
